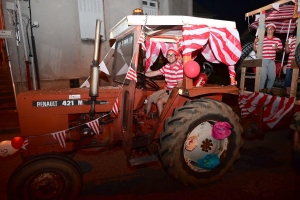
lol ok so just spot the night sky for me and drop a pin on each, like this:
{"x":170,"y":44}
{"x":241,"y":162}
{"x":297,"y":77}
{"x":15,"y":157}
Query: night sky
{"x":233,"y":10}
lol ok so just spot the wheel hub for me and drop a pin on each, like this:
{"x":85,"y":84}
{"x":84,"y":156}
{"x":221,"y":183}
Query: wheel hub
{"x":199,"y":143}
{"x":46,"y":185}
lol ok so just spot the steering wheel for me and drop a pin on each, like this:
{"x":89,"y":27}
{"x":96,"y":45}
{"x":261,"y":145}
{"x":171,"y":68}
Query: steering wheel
{"x":146,"y":83}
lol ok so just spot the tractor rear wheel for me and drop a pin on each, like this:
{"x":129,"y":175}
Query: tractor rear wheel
{"x":195,"y":120}
{"x":45,"y":177}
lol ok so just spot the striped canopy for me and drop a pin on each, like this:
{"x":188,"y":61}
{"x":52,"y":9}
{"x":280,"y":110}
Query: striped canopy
{"x":223,"y":43}
{"x":280,"y":18}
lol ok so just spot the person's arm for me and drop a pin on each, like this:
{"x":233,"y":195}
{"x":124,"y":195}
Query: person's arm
{"x":278,"y":46}
{"x":153,"y":73}
{"x":287,"y":47}
{"x":254,"y":44}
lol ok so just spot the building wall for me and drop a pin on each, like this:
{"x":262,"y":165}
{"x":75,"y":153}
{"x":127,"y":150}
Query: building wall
{"x":61,"y":53}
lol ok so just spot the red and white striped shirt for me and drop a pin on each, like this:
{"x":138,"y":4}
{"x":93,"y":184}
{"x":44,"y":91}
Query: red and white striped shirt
{"x":172,"y":74}
{"x":292,"y":47}
{"x":268,"y":51}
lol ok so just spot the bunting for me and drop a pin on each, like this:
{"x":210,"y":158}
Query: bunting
{"x":94,"y":125}
{"x":131,"y":75}
{"x":60,"y":137}
{"x":103,"y":68}
{"x":142,"y":40}
{"x":86,"y":83}
{"x":115,"y":107}
{"x":25,"y":144}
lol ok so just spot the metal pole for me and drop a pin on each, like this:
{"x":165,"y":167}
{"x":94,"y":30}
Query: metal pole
{"x":287,"y":36}
{"x":24,"y":45}
{"x":11,"y":75}
{"x":22,"y":31}
{"x":34,"y":50}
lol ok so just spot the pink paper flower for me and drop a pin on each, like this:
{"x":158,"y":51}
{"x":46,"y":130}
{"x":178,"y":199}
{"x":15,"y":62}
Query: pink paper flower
{"x":191,"y":143}
{"x":221,"y":130}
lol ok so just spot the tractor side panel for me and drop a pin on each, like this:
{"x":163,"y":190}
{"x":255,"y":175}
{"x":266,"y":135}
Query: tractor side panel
{"x":44,"y":112}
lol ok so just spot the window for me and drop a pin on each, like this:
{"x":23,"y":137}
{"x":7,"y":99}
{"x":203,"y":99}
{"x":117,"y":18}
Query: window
{"x":122,"y":58}
{"x":89,"y":11}
{"x":150,"y":7}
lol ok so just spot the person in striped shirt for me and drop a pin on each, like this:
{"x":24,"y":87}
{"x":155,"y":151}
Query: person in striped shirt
{"x":271,"y":45}
{"x":173,"y":72}
{"x":290,"y":46}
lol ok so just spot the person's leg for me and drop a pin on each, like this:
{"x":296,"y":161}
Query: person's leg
{"x":271,"y":71}
{"x":263,"y":74}
{"x":163,"y":98}
{"x":288,"y":80}
{"x":153,"y":99}
{"x":149,"y":104}
{"x":160,"y":105}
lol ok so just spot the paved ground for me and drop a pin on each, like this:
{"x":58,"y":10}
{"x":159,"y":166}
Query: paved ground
{"x":264,"y":171}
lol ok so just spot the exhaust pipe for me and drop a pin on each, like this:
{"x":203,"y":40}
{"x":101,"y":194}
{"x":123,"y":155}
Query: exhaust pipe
{"x":94,"y":72}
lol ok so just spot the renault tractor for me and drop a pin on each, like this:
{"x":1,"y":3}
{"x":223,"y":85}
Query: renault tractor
{"x":197,"y":137}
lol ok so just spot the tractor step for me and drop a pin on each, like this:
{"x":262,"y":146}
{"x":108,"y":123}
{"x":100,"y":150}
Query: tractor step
{"x":143,"y":160}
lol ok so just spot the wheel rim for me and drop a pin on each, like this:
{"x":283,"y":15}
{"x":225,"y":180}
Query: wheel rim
{"x":46,"y":185}
{"x":199,"y":143}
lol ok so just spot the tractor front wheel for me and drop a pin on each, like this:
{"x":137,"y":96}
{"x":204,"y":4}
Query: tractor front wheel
{"x":45,"y":177}
{"x":187,"y":138}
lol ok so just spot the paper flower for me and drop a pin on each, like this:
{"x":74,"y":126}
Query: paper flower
{"x":191,"y":143}
{"x":209,"y":161}
{"x":221,"y":130}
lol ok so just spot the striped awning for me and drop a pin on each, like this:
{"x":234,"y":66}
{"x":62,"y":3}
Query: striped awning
{"x":281,"y":18}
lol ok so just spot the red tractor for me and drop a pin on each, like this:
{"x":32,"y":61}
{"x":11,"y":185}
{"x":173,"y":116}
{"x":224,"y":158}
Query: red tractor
{"x":57,"y":123}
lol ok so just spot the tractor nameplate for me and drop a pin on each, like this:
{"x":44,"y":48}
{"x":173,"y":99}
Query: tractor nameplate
{"x":54,"y":103}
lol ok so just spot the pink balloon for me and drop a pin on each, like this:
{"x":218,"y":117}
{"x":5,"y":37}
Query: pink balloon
{"x":17,"y":142}
{"x":191,"y":69}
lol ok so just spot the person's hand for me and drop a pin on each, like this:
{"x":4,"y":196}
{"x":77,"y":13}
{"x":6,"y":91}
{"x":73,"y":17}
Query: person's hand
{"x":274,"y":46}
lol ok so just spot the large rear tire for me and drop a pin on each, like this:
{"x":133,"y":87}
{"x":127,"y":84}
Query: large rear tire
{"x":45,"y":177}
{"x":195,"y":119}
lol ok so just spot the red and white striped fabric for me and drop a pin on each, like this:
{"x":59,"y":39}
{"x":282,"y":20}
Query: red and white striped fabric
{"x":153,"y":50}
{"x":224,"y":42}
{"x":25,"y":144}
{"x":131,"y":75}
{"x":274,"y":107}
{"x":141,"y":40}
{"x":172,"y":74}
{"x":115,"y":107}
{"x":268,"y":51}
{"x":94,"y":125}
{"x":60,"y":137}
{"x":280,"y":18}
{"x":208,"y":54}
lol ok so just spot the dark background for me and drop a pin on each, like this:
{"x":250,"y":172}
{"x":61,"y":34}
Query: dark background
{"x":234,"y":10}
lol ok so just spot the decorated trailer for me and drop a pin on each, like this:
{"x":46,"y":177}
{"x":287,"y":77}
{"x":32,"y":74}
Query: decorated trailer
{"x":259,"y":111}
{"x":197,"y":137}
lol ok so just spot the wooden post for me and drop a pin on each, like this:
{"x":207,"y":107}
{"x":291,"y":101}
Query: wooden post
{"x":294,"y":79}
{"x":261,"y":36}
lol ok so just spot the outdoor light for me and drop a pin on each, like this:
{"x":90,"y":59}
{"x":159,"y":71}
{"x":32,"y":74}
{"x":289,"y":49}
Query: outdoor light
{"x":138,"y":11}
{"x":35,"y":24}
